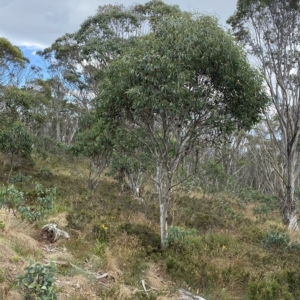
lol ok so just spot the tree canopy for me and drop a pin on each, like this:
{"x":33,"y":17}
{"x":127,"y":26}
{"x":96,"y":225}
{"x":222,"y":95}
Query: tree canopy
{"x":183,"y":84}
{"x":185,"y":65}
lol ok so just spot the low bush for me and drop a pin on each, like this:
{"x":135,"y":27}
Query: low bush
{"x":32,"y":205}
{"x":45,"y":173}
{"x":38,"y":282}
{"x":268,"y":290}
{"x":178,"y":236}
{"x":275,"y":240}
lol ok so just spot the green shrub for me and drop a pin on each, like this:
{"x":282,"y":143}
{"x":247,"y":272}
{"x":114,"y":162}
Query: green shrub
{"x":251,"y":233}
{"x":268,"y":290}
{"x":38,"y":282}
{"x":216,"y":241}
{"x":275,"y":240}
{"x":293,"y":281}
{"x":178,"y":236}
{"x":264,"y":203}
{"x":20,"y":178}
{"x":294,"y":247}
{"x":32,"y":205}
{"x":16,"y":141}
{"x":2,"y":225}
{"x":261,"y":210}
{"x":101,"y":232}
{"x":45,"y":173}
{"x":2,"y":275}
{"x":279,"y":241}
{"x":11,"y":198}
{"x":99,"y":248}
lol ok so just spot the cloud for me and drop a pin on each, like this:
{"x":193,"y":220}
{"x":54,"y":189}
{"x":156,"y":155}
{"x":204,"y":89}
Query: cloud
{"x":38,"y":23}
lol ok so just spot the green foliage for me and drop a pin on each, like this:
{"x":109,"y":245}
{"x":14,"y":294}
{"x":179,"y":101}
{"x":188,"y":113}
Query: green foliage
{"x":178,"y":236}
{"x":44,"y":144}
{"x":16,"y":142}
{"x":38,"y":282}
{"x":264,"y":203}
{"x":38,"y":202}
{"x":268,"y":290}
{"x":252,"y":233}
{"x":188,"y":68}
{"x":293,"y":282}
{"x":10,"y":53}
{"x":60,"y":149}
{"x":190,"y":265}
{"x":99,"y":248}
{"x":156,"y":10}
{"x":294,"y":247}
{"x":32,"y":205}
{"x":20,"y":178}
{"x":275,"y":240}
{"x":2,"y":225}
{"x":155,"y":66}
{"x":130,"y":160}
{"x":101,"y":40}
{"x":101,"y":232}
{"x":11,"y":198}
{"x":45,"y":173}
{"x":94,"y":141}
{"x":93,"y":138}
{"x":2,"y":275}
{"x":211,"y":176}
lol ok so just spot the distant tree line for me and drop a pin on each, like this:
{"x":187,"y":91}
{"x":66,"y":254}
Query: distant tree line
{"x":155,"y":93}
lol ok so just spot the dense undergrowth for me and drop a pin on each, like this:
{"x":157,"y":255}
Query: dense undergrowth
{"x":220,"y":246}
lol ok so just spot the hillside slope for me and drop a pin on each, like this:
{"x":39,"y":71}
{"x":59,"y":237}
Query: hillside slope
{"x":220,"y":246}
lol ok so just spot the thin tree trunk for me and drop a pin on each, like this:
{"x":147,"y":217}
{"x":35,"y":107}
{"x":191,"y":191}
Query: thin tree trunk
{"x":163,"y":221}
{"x":290,"y":217}
{"x":58,"y":138}
{"x":163,"y":185}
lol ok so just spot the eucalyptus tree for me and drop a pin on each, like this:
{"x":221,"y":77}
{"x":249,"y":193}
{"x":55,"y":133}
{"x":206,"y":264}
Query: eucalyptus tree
{"x":12,"y":62}
{"x":184,"y":84}
{"x":130,"y":163}
{"x":84,"y":54}
{"x":94,"y":141}
{"x":100,"y":39}
{"x":16,"y":144}
{"x":75,"y":63}
{"x":270,"y":32}
{"x":63,"y":110}
{"x":11,"y":58}
{"x":266,"y":162}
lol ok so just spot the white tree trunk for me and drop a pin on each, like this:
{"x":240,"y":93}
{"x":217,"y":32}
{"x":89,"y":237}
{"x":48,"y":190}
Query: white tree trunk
{"x":293,"y":221}
{"x":163,"y":185}
{"x":163,"y":222}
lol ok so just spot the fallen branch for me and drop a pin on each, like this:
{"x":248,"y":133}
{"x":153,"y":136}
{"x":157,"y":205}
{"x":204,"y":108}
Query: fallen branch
{"x":143,"y":284}
{"x":185,"y":295}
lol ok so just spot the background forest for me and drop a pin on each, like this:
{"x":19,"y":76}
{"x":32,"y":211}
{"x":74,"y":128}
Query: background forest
{"x":165,"y":145}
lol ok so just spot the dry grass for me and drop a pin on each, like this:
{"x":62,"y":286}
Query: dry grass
{"x":123,"y":253}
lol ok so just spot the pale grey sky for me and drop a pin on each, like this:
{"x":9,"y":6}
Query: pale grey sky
{"x":38,"y":23}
